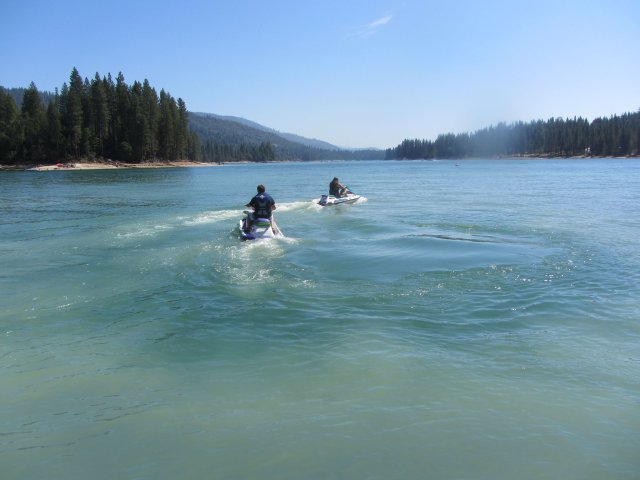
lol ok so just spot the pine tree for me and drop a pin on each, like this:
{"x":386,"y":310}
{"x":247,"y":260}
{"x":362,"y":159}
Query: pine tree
{"x":169,"y":128}
{"x":54,"y":129}
{"x":9,"y":136}
{"x":87,"y":141}
{"x":150,"y":106}
{"x":112,"y":139}
{"x":101,"y":114}
{"x":124,"y":150}
{"x":72,"y":113}
{"x":33,"y":125}
{"x":182,"y":129}
{"x":137,"y":121}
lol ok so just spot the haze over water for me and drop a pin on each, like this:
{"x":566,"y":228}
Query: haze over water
{"x":470,"y":319}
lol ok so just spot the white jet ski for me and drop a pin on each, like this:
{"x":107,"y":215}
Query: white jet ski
{"x":326,"y":200}
{"x":260,"y":227}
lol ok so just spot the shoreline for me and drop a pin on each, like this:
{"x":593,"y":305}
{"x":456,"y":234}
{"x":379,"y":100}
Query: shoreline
{"x":113,"y":165}
{"x":85,"y":165}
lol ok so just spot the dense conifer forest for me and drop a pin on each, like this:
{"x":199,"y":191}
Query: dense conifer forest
{"x":556,"y":137}
{"x":101,"y":118}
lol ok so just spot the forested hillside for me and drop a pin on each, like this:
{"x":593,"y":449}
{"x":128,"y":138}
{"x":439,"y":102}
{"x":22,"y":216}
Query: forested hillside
{"x":226,"y":140}
{"x":612,"y":136}
{"x":309,"y":142}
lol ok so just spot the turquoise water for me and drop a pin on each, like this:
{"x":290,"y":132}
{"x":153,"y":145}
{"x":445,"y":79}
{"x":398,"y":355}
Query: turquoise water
{"x":465,"y":320}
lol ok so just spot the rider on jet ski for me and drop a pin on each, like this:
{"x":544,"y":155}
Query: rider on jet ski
{"x":263,"y":204}
{"x":337,"y":189}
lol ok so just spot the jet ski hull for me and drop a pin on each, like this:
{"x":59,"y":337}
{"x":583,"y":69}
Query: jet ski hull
{"x":260,"y":228}
{"x":328,"y":200}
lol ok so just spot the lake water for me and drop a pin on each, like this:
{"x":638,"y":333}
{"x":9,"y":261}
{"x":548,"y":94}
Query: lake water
{"x":466,"y":320}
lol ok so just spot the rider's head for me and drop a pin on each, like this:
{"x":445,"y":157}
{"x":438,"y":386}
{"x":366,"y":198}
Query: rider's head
{"x":260,"y":188}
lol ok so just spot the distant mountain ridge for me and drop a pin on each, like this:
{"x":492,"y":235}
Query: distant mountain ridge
{"x":18,"y":93}
{"x":236,"y":131}
{"x":292,"y":137}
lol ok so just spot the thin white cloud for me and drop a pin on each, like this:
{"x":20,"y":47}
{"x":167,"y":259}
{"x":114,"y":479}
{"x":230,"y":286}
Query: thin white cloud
{"x":380,"y":22}
{"x":371,"y":28}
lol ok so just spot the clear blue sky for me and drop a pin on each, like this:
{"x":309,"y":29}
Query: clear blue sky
{"x":354,"y":73}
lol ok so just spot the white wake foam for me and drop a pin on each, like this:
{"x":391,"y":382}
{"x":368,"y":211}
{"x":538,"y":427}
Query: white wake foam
{"x":211,"y":217}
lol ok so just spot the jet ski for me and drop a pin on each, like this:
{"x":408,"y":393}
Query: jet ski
{"x":326,"y":200}
{"x":260,"y":227}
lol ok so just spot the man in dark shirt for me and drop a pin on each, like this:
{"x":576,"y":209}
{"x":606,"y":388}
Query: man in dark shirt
{"x":263,"y":204}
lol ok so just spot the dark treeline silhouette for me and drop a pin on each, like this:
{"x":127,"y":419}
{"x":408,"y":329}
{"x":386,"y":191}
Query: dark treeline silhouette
{"x":306,"y":153}
{"x":557,"y":137}
{"x":97,"y":119}
{"x":212,"y":151}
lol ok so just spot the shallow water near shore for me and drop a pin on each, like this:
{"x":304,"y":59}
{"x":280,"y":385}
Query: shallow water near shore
{"x":470,"y":319}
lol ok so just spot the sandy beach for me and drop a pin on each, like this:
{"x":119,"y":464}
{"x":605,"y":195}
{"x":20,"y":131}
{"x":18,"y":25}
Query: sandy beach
{"x":104,"y":165}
